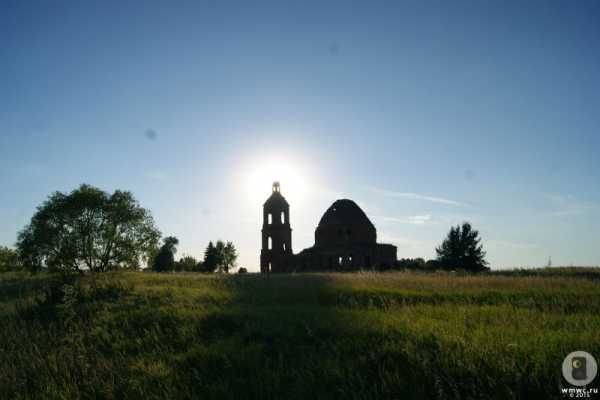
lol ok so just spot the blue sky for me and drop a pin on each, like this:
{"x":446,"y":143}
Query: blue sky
{"x":425,"y":113}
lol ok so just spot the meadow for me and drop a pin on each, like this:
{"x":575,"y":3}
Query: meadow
{"x":134,"y":335}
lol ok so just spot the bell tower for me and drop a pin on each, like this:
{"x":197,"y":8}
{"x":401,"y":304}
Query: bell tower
{"x":276,"y":252}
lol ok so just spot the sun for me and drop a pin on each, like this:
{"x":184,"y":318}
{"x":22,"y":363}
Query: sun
{"x":292,"y":174}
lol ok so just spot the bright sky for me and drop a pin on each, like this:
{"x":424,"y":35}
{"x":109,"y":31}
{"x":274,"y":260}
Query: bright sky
{"x":425,"y":113}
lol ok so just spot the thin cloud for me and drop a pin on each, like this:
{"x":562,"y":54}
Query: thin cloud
{"x":568,"y":212}
{"x":402,"y":241}
{"x":419,"y":219}
{"x":512,"y":245}
{"x":567,"y":205}
{"x":414,"y":220}
{"x":416,"y":196}
{"x":557,"y":199}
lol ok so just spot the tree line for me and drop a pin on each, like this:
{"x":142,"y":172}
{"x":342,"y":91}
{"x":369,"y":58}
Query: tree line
{"x":91,"y":230}
{"x":219,"y":257}
{"x":461,"y":250}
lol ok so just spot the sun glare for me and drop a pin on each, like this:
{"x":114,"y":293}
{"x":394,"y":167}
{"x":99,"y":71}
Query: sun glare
{"x":292,"y":175}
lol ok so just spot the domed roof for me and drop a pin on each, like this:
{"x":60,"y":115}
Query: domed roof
{"x":276,"y":199}
{"x":343,"y":224}
{"x":344,"y":212}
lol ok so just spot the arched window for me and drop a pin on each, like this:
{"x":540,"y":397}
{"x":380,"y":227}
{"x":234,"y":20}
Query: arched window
{"x":270,"y":218}
{"x":270,"y":243}
{"x":284,"y":246}
{"x":282,"y":217}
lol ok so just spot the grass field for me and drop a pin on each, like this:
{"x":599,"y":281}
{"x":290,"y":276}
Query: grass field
{"x":351,"y":336}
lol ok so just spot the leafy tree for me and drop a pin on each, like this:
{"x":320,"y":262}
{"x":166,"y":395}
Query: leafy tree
{"x":186,"y":263}
{"x":165,"y":259}
{"x":210,"y":258}
{"x":462,"y":249}
{"x":219,"y":257}
{"x":228,"y":256}
{"x":9,"y":260}
{"x":87,"y":229}
{"x":242,"y":270}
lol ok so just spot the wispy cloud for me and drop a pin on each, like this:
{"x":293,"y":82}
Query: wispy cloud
{"x":567,"y":212}
{"x":557,"y":199}
{"x":401,"y":241}
{"x":567,"y":205}
{"x":512,"y":245}
{"x":415,"y":219}
{"x":416,"y":196}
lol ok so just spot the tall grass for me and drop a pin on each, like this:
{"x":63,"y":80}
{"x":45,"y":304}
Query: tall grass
{"x":357,"y":336}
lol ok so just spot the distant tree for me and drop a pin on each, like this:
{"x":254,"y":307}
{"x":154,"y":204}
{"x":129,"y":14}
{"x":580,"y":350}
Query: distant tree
{"x":165,"y":259}
{"x":87,"y":229}
{"x":152,"y":254}
{"x":210,"y":258}
{"x":242,"y":270}
{"x":226,"y":256}
{"x":199,"y":267}
{"x":419,"y":263}
{"x":220,"y":257}
{"x":462,"y":250}
{"x":410,"y":263}
{"x":186,"y":263}
{"x":432,"y":265}
{"x":9,"y":260}
{"x":219,"y":251}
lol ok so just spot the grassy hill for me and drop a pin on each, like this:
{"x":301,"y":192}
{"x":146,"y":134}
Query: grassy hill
{"x":352,"y":336}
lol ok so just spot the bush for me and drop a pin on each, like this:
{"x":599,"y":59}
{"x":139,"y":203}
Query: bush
{"x":9,"y":260}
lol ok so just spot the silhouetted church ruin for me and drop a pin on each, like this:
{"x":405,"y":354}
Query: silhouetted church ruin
{"x":345,"y":240}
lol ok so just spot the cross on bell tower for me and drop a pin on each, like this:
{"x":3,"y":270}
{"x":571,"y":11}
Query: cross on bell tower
{"x":276,"y":233}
